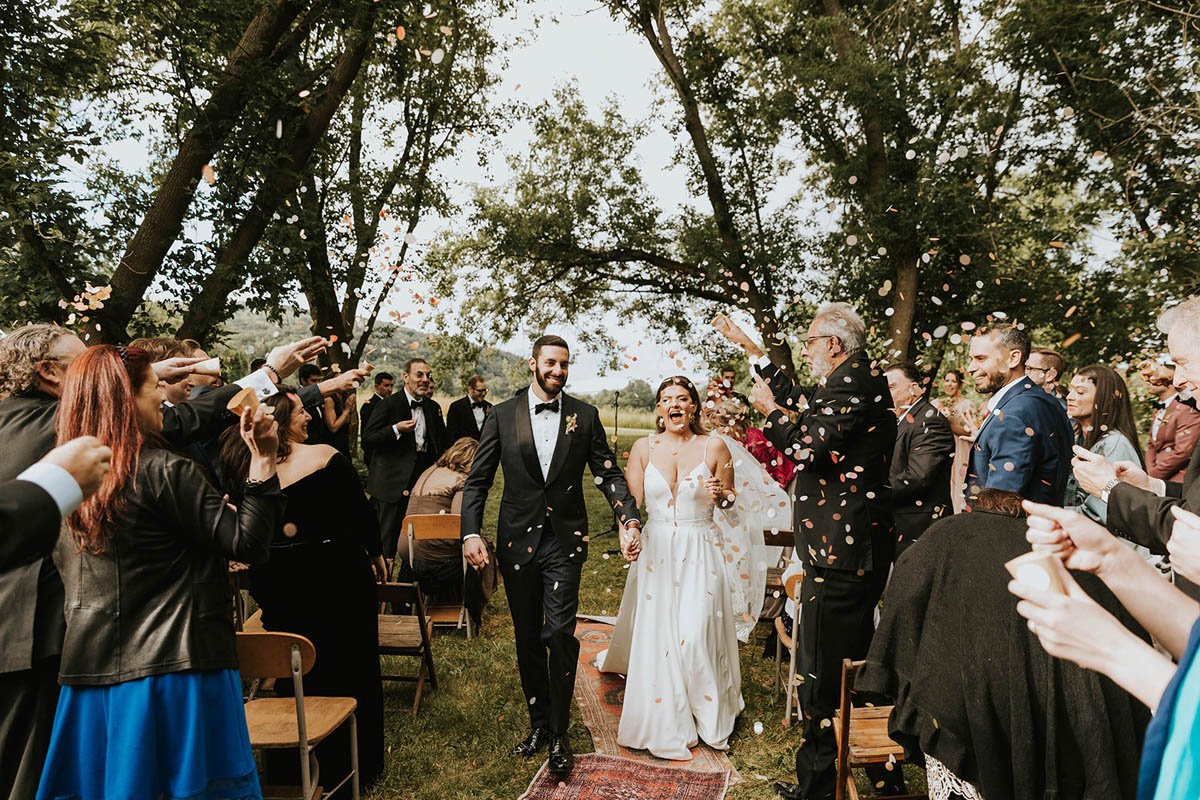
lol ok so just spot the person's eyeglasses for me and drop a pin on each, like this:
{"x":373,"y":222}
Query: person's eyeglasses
{"x":812,"y":339}
{"x":1042,"y":370}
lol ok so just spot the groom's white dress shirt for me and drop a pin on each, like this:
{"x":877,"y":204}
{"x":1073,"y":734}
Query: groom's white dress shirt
{"x":545,"y":431}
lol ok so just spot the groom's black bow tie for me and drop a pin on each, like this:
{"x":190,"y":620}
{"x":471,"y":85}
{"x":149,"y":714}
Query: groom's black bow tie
{"x":478,"y":405}
{"x":552,"y":407}
{"x":416,"y":402}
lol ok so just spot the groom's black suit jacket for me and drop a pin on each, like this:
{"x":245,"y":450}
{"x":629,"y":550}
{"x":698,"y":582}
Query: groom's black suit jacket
{"x":528,"y":501}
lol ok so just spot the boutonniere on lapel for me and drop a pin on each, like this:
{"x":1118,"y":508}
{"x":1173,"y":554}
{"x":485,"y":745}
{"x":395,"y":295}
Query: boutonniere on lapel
{"x":572,"y":423}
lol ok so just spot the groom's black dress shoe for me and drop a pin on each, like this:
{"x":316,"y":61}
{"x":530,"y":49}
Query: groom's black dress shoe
{"x":788,"y":791}
{"x":535,"y":741}
{"x":561,"y":760}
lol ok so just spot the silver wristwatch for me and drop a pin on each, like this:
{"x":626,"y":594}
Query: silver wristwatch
{"x":1108,"y":487}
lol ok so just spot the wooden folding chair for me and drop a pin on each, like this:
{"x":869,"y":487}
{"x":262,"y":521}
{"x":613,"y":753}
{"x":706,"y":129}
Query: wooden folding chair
{"x":775,"y":595}
{"x":430,"y":527}
{"x":239,"y":579}
{"x":784,"y":639}
{"x":862,"y":737}
{"x":300,"y":722}
{"x":407,"y":634}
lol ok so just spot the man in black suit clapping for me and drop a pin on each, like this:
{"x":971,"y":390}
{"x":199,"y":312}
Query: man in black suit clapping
{"x":466,"y":414}
{"x":406,"y":435}
{"x":921,"y":463}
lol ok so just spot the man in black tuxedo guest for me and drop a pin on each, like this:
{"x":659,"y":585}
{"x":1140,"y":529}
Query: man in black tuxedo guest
{"x":466,"y":414}
{"x":842,"y":443}
{"x":922,"y":461}
{"x":385,"y":383}
{"x":544,"y":438}
{"x":406,"y":434}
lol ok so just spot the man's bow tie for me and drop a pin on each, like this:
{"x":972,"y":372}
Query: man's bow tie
{"x":416,"y":402}
{"x":480,"y":404}
{"x":1160,"y":404}
{"x":552,"y":407}
{"x":1187,"y":401}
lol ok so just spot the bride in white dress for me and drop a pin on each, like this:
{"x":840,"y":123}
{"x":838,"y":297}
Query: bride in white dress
{"x":676,"y":639}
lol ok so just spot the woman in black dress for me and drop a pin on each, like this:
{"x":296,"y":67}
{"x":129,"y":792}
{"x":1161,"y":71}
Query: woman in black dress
{"x":320,"y":583}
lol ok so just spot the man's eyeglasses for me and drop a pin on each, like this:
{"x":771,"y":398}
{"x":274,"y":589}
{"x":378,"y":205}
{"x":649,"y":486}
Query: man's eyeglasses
{"x":812,"y":339}
{"x":1042,"y":370}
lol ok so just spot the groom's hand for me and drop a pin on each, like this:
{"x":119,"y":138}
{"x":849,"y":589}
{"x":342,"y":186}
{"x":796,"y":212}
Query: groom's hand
{"x":476,"y":552}
{"x":631,"y":543}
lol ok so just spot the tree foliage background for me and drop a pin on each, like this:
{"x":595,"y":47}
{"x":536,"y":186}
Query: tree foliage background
{"x":940,"y":163}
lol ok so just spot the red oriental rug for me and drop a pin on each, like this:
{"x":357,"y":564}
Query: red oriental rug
{"x":600,"y":696}
{"x":601,"y":777}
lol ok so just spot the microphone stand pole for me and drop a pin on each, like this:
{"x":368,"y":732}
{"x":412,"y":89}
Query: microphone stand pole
{"x":616,"y":526}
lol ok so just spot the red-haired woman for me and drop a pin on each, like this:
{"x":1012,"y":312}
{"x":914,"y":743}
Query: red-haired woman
{"x":151,"y":704}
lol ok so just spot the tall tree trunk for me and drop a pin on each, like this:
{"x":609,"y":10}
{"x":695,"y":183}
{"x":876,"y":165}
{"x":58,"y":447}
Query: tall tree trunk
{"x":904,"y":308}
{"x":317,"y":279}
{"x":163,"y":221}
{"x":206,"y":310}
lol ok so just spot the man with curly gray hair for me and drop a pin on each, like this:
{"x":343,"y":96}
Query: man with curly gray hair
{"x":35,"y":358}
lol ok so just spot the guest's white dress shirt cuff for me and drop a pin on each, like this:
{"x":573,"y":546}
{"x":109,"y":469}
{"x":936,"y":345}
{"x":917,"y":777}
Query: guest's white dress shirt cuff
{"x":762,"y":361}
{"x":1158,"y":486}
{"x":260,"y":382}
{"x":58,"y":483}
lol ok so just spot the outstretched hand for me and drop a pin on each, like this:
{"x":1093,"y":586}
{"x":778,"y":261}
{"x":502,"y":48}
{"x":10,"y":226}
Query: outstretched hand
{"x":173,"y":370}
{"x":1072,"y":538}
{"x":1071,"y":626}
{"x":287,"y":358}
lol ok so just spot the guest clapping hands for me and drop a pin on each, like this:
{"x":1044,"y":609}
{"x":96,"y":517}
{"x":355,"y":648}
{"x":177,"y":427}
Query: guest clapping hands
{"x":1072,"y":626}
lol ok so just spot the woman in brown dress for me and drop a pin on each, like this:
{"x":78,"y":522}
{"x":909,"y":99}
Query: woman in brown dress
{"x":964,"y":421}
{"x":438,"y":564}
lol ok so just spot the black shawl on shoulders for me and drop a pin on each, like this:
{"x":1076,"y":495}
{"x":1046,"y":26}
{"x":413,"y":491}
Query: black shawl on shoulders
{"x":973,"y":687}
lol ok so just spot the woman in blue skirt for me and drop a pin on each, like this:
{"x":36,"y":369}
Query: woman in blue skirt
{"x":151,"y":705}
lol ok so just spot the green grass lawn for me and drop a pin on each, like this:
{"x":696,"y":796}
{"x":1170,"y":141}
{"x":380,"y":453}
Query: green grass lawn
{"x":457,"y":747}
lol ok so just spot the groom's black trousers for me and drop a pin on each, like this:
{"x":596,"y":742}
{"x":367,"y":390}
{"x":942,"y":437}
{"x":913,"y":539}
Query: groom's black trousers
{"x":543,"y":596}
{"x":837,"y":621}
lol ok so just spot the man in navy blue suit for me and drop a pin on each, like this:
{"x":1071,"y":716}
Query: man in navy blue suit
{"x":1024,"y":444}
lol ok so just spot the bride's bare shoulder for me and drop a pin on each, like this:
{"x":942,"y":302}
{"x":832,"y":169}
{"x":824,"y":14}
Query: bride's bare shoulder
{"x":640,"y":448}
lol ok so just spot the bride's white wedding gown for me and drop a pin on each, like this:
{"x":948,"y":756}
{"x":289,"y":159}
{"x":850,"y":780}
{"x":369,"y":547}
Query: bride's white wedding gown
{"x":683,"y":679}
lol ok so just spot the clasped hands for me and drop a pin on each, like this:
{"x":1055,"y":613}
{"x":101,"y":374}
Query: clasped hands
{"x":630,"y":537}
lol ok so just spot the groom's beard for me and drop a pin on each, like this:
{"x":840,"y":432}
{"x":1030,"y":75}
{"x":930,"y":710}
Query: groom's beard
{"x":550,"y":392}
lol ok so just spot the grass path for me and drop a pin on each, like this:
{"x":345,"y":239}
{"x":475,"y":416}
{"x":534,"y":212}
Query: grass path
{"x":457,"y":747}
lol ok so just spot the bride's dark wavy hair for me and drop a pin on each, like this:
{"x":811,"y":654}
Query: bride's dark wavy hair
{"x":679,"y":380}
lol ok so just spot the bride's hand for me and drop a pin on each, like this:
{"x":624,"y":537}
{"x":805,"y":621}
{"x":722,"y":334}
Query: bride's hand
{"x":715,"y":488}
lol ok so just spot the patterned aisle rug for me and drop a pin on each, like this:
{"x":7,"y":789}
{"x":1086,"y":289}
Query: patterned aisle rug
{"x":600,"y":695}
{"x":601,"y":777}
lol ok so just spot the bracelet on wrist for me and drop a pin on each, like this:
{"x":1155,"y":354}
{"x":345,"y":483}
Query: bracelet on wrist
{"x":278,"y":378}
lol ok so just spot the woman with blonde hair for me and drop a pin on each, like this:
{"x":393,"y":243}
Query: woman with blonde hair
{"x":438,"y":564}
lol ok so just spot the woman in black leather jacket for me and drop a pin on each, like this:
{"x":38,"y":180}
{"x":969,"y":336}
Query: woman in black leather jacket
{"x":151,"y":703}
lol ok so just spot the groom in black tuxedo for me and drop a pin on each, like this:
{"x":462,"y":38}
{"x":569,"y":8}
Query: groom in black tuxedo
{"x":543,"y":439}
